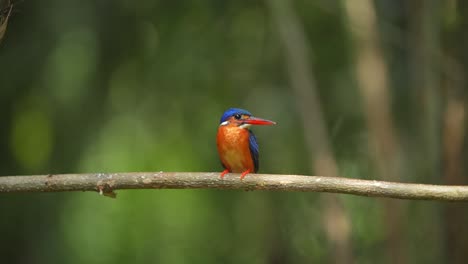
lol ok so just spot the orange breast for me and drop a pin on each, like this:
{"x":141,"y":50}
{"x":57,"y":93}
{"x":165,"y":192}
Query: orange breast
{"x":233,"y":148}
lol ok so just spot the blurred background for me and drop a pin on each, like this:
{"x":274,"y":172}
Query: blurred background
{"x":360,"y":89}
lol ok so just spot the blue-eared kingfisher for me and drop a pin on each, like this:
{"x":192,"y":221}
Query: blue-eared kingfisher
{"x":237,"y":145}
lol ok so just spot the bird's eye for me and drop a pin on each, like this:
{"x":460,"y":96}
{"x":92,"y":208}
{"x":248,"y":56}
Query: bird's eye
{"x":237,"y":116}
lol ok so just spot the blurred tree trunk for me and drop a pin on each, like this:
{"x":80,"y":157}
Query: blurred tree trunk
{"x":425,"y":71}
{"x":5,"y":11}
{"x":291,"y":33}
{"x":456,"y":216}
{"x":454,"y":119}
{"x":372,"y":77}
{"x":425,"y":61}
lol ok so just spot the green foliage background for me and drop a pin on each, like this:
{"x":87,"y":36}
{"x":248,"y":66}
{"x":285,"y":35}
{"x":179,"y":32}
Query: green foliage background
{"x":111,"y":86}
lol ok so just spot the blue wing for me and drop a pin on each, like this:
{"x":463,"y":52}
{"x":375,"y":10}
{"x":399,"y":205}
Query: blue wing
{"x":253,"y":149}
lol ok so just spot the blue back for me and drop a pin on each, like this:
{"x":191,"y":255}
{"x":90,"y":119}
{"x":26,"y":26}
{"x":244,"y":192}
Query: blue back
{"x":232,"y":111}
{"x":253,"y":149}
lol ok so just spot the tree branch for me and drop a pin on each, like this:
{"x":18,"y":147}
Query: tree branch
{"x":106,"y":183}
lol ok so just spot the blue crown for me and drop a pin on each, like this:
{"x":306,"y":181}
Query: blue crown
{"x":233,"y":111}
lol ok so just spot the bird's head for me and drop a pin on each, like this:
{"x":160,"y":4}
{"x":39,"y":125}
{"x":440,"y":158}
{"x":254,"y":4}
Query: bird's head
{"x":242,"y":118}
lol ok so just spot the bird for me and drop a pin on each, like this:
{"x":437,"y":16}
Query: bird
{"x":236,"y":143}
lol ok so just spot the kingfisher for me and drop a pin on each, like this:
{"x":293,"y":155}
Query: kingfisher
{"x":237,"y":145}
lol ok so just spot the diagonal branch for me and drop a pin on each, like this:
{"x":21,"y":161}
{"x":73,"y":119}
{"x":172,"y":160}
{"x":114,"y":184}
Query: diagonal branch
{"x":108,"y":182}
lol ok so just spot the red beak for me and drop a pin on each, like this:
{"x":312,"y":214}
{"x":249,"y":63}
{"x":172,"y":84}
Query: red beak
{"x":258,"y":121}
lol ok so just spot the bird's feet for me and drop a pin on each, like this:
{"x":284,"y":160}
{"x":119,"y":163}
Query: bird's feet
{"x":226,"y":171}
{"x":244,"y":173}
{"x":241,"y":177}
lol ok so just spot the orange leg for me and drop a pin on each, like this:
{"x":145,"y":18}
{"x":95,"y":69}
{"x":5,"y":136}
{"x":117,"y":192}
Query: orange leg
{"x":226,"y":171}
{"x":244,"y":173}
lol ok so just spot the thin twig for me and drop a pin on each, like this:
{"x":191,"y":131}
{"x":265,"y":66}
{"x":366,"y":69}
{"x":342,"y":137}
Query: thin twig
{"x":106,"y":183}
